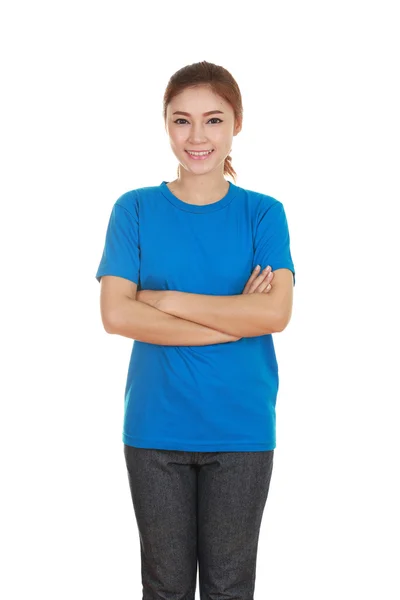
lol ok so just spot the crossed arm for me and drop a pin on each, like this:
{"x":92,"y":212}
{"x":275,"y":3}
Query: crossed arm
{"x":243,"y":315}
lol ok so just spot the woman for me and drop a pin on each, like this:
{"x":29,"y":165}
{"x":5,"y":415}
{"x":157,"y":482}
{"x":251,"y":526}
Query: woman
{"x":199,"y":422}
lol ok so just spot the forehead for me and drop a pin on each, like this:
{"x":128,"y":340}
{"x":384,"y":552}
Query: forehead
{"x":198,"y":100}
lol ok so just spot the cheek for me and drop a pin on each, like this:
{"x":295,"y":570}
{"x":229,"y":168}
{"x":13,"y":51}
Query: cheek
{"x":177,"y":139}
{"x":223,"y":135}
{"x":174,"y":144}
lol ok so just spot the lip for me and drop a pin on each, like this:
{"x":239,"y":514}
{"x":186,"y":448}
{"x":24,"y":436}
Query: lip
{"x":200,"y":157}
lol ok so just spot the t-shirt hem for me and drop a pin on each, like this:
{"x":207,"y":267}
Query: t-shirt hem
{"x":196,"y":447}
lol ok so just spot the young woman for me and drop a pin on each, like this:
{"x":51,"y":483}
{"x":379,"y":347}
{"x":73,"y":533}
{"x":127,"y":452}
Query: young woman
{"x":178,"y":275}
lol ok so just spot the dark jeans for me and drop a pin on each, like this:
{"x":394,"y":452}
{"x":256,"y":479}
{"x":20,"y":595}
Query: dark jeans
{"x":198,"y":506}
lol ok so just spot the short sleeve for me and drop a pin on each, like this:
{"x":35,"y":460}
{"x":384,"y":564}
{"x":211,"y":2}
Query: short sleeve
{"x":121,"y":254}
{"x":272,"y":239}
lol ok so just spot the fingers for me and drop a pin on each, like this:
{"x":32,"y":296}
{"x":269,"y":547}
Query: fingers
{"x":265,"y":286}
{"x":256,"y":279}
{"x":251,"y":279}
{"x":262,"y":278}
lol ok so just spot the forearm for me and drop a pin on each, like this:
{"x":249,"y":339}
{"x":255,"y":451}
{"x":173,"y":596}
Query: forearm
{"x":145,"y":323}
{"x":244,"y":315}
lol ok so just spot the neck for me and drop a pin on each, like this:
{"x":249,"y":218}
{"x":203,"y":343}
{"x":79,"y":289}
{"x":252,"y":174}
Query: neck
{"x":200,"y":189}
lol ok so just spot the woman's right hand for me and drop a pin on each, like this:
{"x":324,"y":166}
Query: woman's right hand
{"x":259,"y":283}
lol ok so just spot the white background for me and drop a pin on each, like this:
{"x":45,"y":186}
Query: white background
{"x":81,"y":124}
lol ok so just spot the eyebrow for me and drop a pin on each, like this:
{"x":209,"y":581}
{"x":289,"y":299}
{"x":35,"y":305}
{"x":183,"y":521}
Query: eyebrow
{"x":210,"y":112}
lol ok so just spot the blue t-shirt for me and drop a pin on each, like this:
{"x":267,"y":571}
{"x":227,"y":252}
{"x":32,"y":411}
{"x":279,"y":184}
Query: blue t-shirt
{"x":218,"y":397}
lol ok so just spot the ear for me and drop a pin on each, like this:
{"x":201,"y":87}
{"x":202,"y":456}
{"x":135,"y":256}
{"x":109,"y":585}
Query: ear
{"x":238,"y":127}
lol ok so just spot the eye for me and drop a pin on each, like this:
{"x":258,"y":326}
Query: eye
{"x":212,"y":119}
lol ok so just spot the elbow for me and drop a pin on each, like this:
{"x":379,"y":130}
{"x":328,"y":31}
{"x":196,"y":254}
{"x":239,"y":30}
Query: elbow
{"x":114,"y":309}
{"x":108,"y":327}
{"x":108,"y":322}
{"x":117,"y":316}
{"x":282,"y":320}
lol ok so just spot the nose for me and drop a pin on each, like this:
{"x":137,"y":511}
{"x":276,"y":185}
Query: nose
{"x":197,"y":134}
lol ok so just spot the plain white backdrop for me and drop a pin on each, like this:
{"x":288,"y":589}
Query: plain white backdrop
{"x":81,"y":123}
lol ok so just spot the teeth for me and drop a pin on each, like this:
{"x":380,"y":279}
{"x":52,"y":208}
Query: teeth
{"x":199,"y":153}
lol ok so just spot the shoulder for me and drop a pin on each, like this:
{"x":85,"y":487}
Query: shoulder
{"x":132,"y":199}
{"x":258,"y":198}
{"x":260,"y":202}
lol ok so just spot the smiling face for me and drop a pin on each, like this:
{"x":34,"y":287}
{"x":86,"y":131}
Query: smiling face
{"x":198,"y":131}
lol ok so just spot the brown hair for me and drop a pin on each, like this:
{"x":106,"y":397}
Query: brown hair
{"x":219,"y":80}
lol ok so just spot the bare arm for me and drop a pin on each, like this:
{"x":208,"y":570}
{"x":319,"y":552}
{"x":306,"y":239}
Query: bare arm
{"x":245,"y":315}
{"x":139,"y":321}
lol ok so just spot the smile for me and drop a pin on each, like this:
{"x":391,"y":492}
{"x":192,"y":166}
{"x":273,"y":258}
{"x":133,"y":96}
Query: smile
{"x":199,"y":155}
